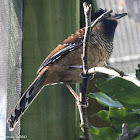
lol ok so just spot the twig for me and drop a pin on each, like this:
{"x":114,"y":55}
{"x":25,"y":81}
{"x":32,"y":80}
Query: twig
{"x":114,"y":73}
{"x":124,"y":128}
{"x":100,"y":17}
{"x":87,"y":12}
{"x":132,"y":134}
{"x":83,"y":94}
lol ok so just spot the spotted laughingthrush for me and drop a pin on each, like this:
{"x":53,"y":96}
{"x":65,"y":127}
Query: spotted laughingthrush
{"x":64,"y":62}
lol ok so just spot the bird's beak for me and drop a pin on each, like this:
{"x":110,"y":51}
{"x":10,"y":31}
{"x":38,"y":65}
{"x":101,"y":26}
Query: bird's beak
{"x":118,"y":16}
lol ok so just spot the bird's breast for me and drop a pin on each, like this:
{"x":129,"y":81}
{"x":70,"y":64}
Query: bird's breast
{"x":68,"y":68}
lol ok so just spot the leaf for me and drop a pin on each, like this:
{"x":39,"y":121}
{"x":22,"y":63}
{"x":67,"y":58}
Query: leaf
{"x":120,"y":116}
{"x":104,"y":114}
{"x":138,"y":72}
{"x":105,"y":133}
{"x":121,"y":90}
{"x":117,"y":117}
{"x":105,"y":100}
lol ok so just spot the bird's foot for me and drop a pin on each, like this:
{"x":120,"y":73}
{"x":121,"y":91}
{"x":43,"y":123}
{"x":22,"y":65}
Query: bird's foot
{"x":83,"y":75}
{"x":84,"y":105}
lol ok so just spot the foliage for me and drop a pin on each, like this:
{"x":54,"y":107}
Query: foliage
{"x":123,"y":99}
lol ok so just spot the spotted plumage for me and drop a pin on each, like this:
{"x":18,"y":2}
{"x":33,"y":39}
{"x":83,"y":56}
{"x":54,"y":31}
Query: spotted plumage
{"x":64,"y":63}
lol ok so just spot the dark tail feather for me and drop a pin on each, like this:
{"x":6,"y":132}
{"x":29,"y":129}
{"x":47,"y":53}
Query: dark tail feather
{"x":26,"y":99}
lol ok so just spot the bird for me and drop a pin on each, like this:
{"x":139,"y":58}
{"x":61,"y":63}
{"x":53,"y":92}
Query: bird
{"x":64,"y":63}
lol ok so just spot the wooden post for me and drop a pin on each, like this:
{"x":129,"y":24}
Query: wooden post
{"x":53,"y":113}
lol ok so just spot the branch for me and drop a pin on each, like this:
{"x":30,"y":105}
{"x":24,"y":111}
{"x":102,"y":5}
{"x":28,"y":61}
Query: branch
{"x":124,"y":128}
{"x":114,"y":72}
{"x":100,"y":17}
{"x":87,"y":12}
{"x":83,"y":95}
{"x":132,"y":134}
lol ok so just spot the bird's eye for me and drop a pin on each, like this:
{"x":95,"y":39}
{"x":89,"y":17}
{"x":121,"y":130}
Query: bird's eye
{"x":116,"y":14}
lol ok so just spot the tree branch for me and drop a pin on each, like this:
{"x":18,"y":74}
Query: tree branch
{"x":83,"y":94}
{"x":124,"y":128}
{"x":114,"y":72}
{"x":100,"y":17}
{"x":132,"y":134}
{"x":87,"y":12}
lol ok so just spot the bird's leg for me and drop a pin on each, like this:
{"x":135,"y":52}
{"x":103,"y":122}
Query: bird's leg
{"x":73,"y":92}
{"x":76,"y":96}
{"x":91,"y":77}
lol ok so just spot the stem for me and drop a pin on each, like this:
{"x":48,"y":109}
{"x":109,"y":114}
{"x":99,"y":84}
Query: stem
{"x":83,"y":91}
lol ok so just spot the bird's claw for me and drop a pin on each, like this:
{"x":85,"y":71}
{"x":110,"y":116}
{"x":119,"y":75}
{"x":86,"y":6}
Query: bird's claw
{"x":84,"y":105}
{"x":83,"y":75}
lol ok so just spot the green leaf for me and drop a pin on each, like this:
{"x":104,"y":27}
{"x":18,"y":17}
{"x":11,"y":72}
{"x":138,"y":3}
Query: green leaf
{"x":138,"y":72}
{"x":106,"y":133}
{"x":124,"y":91}
{"x":119,"y":116}
{"x":104,"y":114}
{"x":105,"y":100}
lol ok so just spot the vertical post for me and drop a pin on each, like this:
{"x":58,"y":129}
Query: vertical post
{"x":46,"y":24}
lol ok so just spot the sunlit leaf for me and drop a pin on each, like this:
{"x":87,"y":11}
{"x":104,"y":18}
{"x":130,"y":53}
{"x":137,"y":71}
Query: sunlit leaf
{"x":121,"y":90}
{"x":105,"y":100}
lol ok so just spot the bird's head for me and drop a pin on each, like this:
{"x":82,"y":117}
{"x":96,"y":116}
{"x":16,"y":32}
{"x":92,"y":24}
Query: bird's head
{"x":109,"y":22}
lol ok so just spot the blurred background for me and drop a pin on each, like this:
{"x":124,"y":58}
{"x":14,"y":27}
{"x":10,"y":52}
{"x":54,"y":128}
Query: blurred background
{"x":126,"y":54}
{"x":25,"y":25}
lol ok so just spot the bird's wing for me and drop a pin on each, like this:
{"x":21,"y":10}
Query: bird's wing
{"x":71,"y":43}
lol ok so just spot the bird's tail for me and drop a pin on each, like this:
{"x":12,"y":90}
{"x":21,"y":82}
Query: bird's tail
{"x":26,"y":99}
